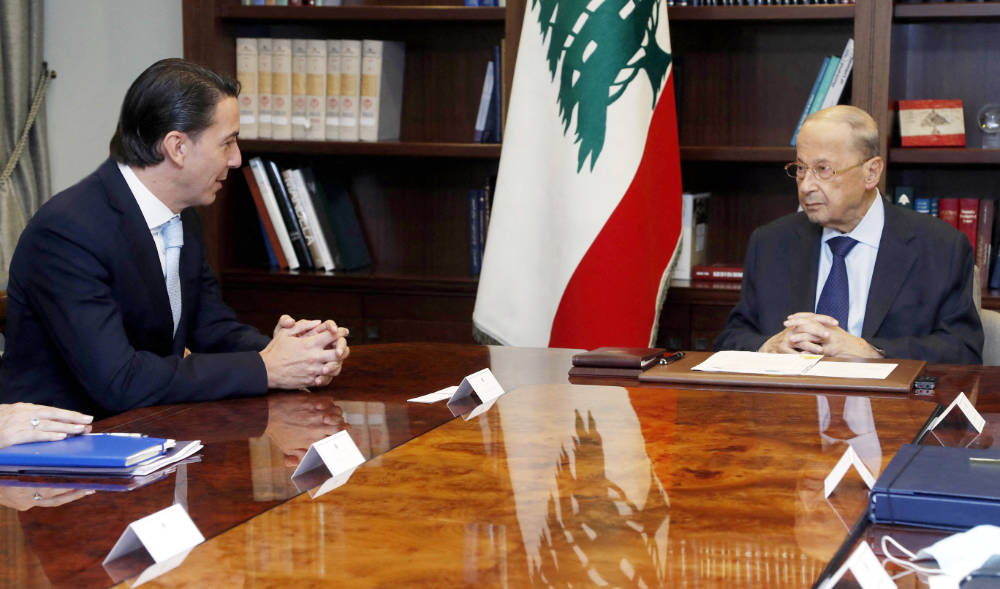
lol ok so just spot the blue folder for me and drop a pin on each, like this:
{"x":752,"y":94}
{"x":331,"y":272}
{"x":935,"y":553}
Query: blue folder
{"x":938,"y":487}
{"x":102,"y":450}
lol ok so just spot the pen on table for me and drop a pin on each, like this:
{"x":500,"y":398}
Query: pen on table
{"x":121,"y":434}
{"x":671,"y":358}
{"x":984,"y":460}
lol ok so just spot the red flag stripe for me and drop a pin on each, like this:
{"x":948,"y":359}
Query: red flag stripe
{"x":610,"y":299}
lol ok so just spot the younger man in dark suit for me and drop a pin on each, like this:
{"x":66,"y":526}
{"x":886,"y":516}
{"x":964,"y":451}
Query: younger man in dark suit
{"x":850,"y":276}
{"x":111,"y":303}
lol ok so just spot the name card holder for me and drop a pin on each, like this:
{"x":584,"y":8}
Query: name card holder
{"x":962,"y":402}
{"x":476,"y":394}
{"x":865,"y":567}
{"x":328,"y":463}
{"x":166,"y":536}
{"x":849,"y":458}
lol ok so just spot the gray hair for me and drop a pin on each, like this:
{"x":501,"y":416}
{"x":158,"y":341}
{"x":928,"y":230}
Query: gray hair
{"x":864,"y":129}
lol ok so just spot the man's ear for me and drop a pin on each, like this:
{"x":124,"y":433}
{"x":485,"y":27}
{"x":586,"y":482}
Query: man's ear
{"x":873,"y":172}
{"x":175,"y":147}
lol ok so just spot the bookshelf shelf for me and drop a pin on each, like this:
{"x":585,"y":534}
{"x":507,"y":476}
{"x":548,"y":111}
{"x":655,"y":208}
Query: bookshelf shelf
{"x":761,"y":13}
{"x":366,"y":279}
{"x":944,"y":156}
{"x":736,"y":153}
{"x":363,"y":13}
{"x":950,"y":11}
{"x":381,"y":148}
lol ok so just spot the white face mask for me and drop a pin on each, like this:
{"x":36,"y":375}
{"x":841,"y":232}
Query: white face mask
{"x":960,"y":554}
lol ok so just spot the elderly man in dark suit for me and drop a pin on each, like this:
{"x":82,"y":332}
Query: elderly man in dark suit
{"x":851,"y":276}
{"x":111,"y":303}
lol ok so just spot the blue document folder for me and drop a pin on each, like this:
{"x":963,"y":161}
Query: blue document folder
{"x":87,"y":450}
{"x":938,"y":487}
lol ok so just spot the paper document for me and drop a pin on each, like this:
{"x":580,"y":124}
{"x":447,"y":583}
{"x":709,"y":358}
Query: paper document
{"x":758,"y":363}
{"x":442,"y":395}
{"x":852,"y":370}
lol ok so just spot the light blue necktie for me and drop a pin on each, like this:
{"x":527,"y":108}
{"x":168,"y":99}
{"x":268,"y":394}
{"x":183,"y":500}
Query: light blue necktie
{"x":835,"y":299}
{"x":172,"y":233}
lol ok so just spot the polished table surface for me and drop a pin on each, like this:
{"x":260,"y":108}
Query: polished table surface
{"x":594,"y":482}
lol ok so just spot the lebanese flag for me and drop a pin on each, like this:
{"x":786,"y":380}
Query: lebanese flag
{"x":587,"y":213}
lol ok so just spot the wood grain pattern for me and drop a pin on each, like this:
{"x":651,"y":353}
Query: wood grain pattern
{"x":555,"y":484}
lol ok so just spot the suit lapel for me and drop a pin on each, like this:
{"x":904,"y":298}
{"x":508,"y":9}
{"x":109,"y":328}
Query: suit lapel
{"x":803,"y":258}
{"x":892,"y":265}
{"x":145,"y":260}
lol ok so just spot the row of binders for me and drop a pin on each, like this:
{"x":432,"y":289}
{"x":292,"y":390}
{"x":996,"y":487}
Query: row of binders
{"x":304,"y":227}
{"x":320,"y":89}
{"x":829,"y":84}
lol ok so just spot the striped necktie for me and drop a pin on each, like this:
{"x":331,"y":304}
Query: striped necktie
{"x":173,"y":239}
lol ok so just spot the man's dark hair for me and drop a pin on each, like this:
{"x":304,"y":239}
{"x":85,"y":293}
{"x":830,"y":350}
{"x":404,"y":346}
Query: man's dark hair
{"x":171,"y":95}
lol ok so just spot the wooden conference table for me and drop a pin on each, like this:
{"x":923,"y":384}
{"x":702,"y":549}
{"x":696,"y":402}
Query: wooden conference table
{"x":590,"y":483}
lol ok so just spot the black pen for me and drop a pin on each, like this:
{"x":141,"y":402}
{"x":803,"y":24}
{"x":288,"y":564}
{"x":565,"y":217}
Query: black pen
{"x":671,"y":358}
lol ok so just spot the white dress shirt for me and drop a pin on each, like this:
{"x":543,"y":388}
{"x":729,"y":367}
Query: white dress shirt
{"x":153,"y":210}
{"x":860,"y":262}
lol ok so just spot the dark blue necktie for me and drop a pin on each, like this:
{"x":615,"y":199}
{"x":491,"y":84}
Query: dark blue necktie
{"x":835,"y":300}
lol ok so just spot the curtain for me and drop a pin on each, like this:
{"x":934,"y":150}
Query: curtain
{"x":24,"y":157}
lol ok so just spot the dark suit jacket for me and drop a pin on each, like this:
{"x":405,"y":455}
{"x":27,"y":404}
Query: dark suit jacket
{"x":920,"y":301}
{"x":88,"y":318}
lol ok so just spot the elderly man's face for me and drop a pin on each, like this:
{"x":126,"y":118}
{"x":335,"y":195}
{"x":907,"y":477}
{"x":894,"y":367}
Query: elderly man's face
{"x":839,"y":202}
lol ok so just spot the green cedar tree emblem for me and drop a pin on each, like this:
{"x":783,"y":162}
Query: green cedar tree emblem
{"x":599,"y":60}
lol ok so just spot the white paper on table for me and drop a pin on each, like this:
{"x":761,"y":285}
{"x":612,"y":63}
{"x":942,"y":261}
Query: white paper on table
{"x":442,"y":395}
{"x":851,"y":370}
{"x":758,"y":363}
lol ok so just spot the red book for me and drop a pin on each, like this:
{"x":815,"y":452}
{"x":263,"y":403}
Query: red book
{"x":984,"y":236}
{"x":724,"y":273}
{"x":948,"y":211}
{"x":258,"y":201}
{"x":968,"y":218}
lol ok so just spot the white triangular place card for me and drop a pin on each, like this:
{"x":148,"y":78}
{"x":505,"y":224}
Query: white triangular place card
{"x":962,"y":402}
{"x":337,"y":453}
{"x":162,"y":535}
{"x":475,"y":390}
{"x":849,"y":458}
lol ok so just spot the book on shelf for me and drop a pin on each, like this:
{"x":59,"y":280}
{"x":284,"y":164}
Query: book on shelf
{"x":298,"y":118}
{"x":968,"y":218}
{"x":824,"y":85}
{"x":344,"y":220}
{"x":931,"y":123}
{"x":993,"y":269}
{"x":308,"y":220}
{"x":811,"y":98}
{"x":476,"y":238}
{"x":332,"y":89}
{"x":281,"y":89}
{"x":496,"y":106}
{"x":318,"y":198}
{"x":246,"y":75}
{"x":265,"y":70}
{"x":382,"y":64}
{"x":904,"y":196}
{"x":267,"y":208}
{"x":948,"y":211}
{"x":485,"y":97}
{"x":935,"y":204}
{"x":694,"y":229}
{"x":350,"y":89}
{"x":288,"y":216}
{"x":840,"y":76}
{"x":725,"y":273}
{"x":316,"y":60}
{"x":922,"y":204}
{"x":984,"y":236}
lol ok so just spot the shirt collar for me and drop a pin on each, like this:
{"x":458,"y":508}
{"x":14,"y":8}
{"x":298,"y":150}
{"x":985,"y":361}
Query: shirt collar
{"x":869,"y":230}
{"x":153,"y":210}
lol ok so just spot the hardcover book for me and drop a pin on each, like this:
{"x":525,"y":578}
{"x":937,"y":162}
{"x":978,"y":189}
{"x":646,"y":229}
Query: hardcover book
{"x":265,"y":70}
{"x":931,"y":123}
{"x":246,"y":75}
{"x":968,"y":213}
{"x":948,"y":211}
{"x":277,"y":222}
{"x":288,"y":215}
{"x":694,"y":229}
{"x":281,"y":89}
{"x":299,"y":110}
{"x":316,"y":61}
{"x":382,"y":64}
{"x":91,"y":450}
{"x":350,"y":89}
{"x":271,"y":236}
{"x":333,"y":89}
